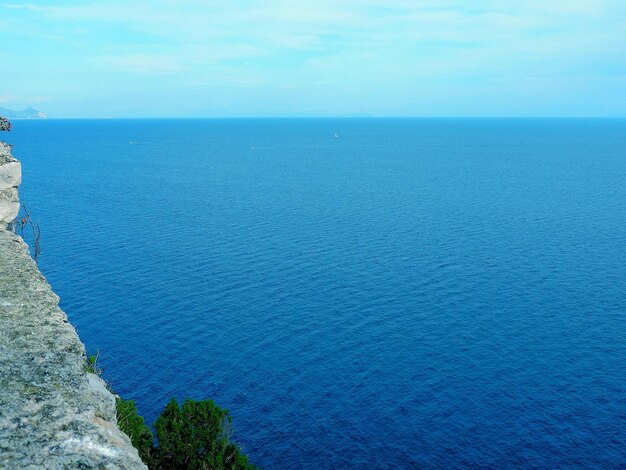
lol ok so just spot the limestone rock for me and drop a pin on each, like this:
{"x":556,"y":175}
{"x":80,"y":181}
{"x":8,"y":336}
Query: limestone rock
{"x":5,"y":153}
{"x":9,"y":207}
{"x":53,"y":414}
{"x":10,"y":178}
{"x":10,"y":175}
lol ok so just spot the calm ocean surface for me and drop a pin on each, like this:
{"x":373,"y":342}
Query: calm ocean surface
{"x":409,"y":293}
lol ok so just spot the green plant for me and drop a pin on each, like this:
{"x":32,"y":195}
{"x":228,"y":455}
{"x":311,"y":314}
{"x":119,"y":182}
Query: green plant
{"x":196,"y":436}
{"x":130,"y":422}
{"x":92,"y":364}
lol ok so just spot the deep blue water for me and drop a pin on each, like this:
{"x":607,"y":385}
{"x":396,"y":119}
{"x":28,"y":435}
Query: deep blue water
{"x":412,"y":293}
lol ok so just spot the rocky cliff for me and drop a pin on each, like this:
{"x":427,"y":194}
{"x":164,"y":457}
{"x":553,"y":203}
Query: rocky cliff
{"x":53,"y":414}
{"x":10,"y":178}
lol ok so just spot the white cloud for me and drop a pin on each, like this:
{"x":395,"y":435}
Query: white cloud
{"x":140,"y":64}
{"x":22,"y":100}
{"x":399,"y":49}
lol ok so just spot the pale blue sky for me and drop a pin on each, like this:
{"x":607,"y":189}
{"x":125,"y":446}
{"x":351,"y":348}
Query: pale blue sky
{"x":192,"y":58}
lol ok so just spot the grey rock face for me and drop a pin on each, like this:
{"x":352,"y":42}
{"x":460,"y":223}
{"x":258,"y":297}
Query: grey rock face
{"x":53,"y":414}
{"x":10,"y":175}
{"x":10,"y":178}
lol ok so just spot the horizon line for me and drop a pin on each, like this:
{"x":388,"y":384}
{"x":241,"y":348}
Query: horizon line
{"x":54,"y":118}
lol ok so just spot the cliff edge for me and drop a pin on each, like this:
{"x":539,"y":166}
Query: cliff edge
{"x":10,"y":179}
{"x":53,"y":414}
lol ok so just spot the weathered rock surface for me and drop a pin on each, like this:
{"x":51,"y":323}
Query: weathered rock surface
{"x":53,"y":414}
{"x":10,"y":175}
{"x":10,"y":178}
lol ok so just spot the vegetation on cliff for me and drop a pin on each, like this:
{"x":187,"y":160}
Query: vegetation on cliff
{"x":194,"y":436}
{"x":129,"y":422}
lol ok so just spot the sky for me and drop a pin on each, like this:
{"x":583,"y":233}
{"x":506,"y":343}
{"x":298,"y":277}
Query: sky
{"x":249,"y":58}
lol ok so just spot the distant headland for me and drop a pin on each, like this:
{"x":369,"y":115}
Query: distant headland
{"x":28,"y":113}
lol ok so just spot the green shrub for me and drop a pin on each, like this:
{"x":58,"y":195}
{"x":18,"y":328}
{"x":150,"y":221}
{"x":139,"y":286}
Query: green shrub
{"x":92,"y":365}
{"x":133,"y":425}
{"x":196,"y":436}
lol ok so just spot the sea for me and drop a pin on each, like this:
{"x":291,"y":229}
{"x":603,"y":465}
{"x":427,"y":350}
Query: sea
{"x":358,"y":293}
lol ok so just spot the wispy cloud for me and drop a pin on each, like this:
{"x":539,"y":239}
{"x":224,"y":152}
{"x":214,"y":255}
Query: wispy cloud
{"x":140,"y":64}
{"x":402,"y":50}
{"x":23,"y":100}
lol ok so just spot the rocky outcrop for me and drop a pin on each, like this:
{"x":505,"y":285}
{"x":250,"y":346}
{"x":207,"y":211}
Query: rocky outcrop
{"x":10,"y":178}
{"x":53,"y":414}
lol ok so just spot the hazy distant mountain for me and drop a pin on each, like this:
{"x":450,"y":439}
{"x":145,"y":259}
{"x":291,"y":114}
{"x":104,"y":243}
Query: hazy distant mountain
{"x":28,"y":113}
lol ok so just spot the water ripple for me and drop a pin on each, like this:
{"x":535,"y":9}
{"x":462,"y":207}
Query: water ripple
{"x":417,"y":293}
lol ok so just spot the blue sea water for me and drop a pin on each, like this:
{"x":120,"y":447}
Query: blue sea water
{"x":359,"y":293}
